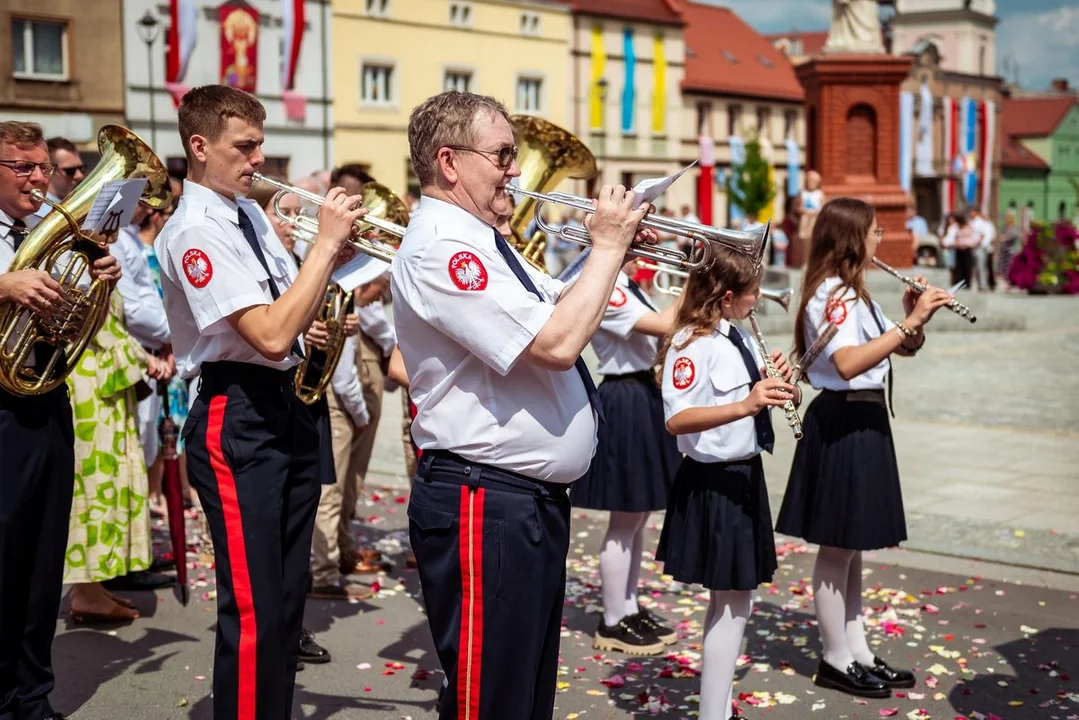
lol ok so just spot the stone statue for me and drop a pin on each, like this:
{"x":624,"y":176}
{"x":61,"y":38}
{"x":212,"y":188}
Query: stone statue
{"x":855,"y":27}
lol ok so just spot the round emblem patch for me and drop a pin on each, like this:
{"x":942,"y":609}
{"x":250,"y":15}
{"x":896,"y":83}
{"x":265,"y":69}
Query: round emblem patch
{"x":684,"y":372}
{"x":197,"y":267}
{"x":618,"y":298}
{"x":467,"y":271}
{"x":836,"y":311}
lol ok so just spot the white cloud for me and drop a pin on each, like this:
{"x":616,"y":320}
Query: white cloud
{"x":1042,"y":44}
{"x":768,"y":16}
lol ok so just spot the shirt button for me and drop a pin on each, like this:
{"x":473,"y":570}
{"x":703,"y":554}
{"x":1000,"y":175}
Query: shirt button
{"x":468,"y":469}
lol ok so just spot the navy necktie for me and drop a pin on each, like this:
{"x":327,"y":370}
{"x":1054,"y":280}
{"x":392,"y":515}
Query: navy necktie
{"x":18,"y":233}
{"x":636,"y":290}
{"x":252,"y":239}
{"x":766,"y":437}
{"x":891,"y":368}
{"x":582,"y":369}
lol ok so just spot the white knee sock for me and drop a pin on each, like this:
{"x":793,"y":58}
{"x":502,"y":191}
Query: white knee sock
{"x":635,"y":567}
{"x":615,"y":559}
{"x":829,"y":591}
{"x":724,"y":627}
{"x":855,"y":630}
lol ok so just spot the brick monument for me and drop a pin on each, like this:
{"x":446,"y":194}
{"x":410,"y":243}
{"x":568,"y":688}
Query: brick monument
{"x":852,"y":120}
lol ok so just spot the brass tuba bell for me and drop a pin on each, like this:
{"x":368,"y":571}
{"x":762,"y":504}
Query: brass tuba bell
{"x":547,"y":155}
{"x":57,"y":246}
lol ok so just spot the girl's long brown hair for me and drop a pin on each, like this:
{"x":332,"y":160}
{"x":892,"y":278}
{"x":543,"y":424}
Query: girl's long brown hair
{"x":701,"y":303}
{"x":837,"y":248}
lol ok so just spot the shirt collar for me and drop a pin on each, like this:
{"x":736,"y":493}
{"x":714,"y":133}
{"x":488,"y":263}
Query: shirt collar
{"x":5,"y":226}
{"x":724,"y":328}
{"x":442,"y":210}
{"x":215,"y":203}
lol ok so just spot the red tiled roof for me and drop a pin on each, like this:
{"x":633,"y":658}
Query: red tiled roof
{"x":1034,"y":117}
{"x":725,"y":55}
{"x":662,"y":12}
{"x":812,"y":42}
{"x":1015,"y":155}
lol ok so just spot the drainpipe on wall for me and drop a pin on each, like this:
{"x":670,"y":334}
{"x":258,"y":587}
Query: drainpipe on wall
{"x":325,"y":96}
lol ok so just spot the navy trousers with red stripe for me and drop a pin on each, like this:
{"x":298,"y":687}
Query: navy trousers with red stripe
{"x":37,"y":471}
{"x":253,"y":458}
{"x":491,"y":549}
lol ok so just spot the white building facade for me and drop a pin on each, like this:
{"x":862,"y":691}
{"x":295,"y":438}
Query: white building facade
{"x":293,"y":147}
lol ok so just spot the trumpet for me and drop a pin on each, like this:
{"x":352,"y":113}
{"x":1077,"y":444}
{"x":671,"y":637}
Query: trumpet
{"x":789,"y":410}
{"x":374,"y":195}
{"x":954,"y":305}
{"x":781,"y":296}
{"x":750,"y":242}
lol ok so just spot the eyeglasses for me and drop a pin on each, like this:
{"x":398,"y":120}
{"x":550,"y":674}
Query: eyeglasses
{"x":507,"y":154}
{"x":23,"y":168}
{"x":70,"y":171}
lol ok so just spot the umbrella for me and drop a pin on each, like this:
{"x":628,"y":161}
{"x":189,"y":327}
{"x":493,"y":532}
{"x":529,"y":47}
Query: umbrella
{"x":173,"y":489}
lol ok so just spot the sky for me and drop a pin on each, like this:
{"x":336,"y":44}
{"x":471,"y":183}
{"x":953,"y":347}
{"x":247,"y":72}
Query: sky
{"x":1040,"y":37}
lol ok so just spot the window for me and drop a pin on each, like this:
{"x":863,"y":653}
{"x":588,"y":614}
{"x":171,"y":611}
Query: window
{"x":981,"y":59}
{"x":276,"y":165}
{"x":461,"y":13}
{"x":764,"y":122}
{"x":378,"y":8}
{"x":39,"y":49}
{"x":790,"y":123}
{"x":704,"y":119}
{"x":376,"y":84}
{"x":529,"y":94}
{"x":734,"y":119}
{"x":530,"y":23}
{"x":459,"y":80}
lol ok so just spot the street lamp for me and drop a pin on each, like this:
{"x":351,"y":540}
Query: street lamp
{"x":148,"y":28}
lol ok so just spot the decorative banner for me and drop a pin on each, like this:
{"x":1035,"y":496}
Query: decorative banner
{"x":292,"y":20}
{"x":181,"y":38}
{"x":969,"y":159}
{"x":738,"y":159}
{"x":705,"y":180}
{"x":947,"y":203}
{"x":923,"y":154}
{"x":239,"y":46}
{"x":630,"y":65}
{"x":659,"y":87}
{"x":599,"y":60}
{"x":989,"y":116}
{"x":768,"y":153}
{"x":906,"y":139}
{"x":794,"y":167}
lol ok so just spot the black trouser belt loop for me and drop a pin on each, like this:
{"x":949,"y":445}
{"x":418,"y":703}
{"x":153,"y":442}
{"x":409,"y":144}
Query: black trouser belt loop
{"x":474,"y":478}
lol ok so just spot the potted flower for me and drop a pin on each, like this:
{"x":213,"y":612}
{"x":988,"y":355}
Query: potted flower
{"x":1049,"y":261}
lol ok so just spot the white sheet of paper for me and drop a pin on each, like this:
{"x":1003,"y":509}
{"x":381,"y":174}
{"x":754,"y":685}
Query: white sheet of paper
{"x":649,"y":190}
{"x":114,"y":205}
{"x":357,"y":271}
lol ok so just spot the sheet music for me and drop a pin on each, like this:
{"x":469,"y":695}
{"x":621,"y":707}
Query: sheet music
{"x":649,"y":190}
{"x":114,"y":206}
{"x":359,"y":270}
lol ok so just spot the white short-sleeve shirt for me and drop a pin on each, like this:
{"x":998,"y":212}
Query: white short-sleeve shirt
{"x":463,"y":320}
{"x":619,"y":349}
{"x":710,"y":371}
{"x":854,"y":318}
{"x":208,"y":272}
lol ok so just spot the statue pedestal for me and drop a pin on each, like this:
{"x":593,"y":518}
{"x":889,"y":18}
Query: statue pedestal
{"x":852,"y":117}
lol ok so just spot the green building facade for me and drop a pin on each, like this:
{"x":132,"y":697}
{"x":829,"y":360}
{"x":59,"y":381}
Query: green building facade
{"x":1040,"y":165}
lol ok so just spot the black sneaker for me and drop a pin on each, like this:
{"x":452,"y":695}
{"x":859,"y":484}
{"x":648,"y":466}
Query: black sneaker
{"x":627,"y":637}
{"x":311,"y":651}
{"x":647,"y":621}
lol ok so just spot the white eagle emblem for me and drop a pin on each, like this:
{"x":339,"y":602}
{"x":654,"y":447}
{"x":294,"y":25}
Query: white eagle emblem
{"x":683,"y":374}
{"x":197,"y":267}
{"x":467,"y":272}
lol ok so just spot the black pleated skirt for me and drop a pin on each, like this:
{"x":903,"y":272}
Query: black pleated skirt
{"x":718,"y":528}
{"x":844,"y":488}
{"x":636,"y":458}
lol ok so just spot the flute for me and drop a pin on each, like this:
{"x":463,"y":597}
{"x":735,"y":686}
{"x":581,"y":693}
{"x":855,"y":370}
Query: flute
{"x":954,"y":305}
{"x":791,"y":412}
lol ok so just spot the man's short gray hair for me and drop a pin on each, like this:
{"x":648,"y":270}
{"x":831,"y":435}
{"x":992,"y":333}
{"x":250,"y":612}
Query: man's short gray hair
{"x":445,"y":119}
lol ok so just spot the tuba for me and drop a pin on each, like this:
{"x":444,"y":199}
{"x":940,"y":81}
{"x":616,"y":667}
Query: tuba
{"x":547,"y":155}
{"x":57,"y":246}
{"x":317,"y":367}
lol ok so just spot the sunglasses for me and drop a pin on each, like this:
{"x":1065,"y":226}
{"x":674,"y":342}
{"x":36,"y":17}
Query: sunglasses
{"x":70,"y":171}
{"x":23,"y":168}
{"x":505,"y":155}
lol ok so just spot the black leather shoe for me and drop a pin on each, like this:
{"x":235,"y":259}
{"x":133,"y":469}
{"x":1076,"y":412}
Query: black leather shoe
{"x":892,"y":678}
{"x":857,"y":680}
{"x":311,"y":651}
{"x":141,"y":580}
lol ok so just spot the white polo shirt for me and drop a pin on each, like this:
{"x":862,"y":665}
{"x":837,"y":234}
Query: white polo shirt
{"x":854,"y":318}
{"x":208,"y":272}
{"x":463,"y":320}
{"x":619,"y":349}
{"x":709,"y":371}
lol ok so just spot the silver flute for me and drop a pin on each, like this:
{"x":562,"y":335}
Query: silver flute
{"x":791,"y":412}
{"x":954,"y":305}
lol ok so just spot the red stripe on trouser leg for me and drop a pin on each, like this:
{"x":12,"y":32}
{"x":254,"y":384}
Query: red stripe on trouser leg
{"x":241,"y":579}
{"x":470,"y":647}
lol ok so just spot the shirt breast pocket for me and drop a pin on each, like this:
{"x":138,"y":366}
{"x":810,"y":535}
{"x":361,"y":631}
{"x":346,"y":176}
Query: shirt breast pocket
{"x":730,"y":383}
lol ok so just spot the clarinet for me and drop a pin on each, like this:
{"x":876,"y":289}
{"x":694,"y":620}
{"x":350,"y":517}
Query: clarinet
{"x":954,"y":305}
{"x":791,"y":412}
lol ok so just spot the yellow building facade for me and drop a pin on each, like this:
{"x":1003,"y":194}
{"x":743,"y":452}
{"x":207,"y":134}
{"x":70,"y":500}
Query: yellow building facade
{"x":390,"y":55}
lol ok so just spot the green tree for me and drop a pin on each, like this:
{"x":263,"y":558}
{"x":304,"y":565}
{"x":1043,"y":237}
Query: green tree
{"x":750,"y":185}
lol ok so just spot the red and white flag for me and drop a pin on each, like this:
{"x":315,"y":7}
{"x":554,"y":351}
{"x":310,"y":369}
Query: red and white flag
{"x":182,"y":30}
{"x":292,"y":20}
